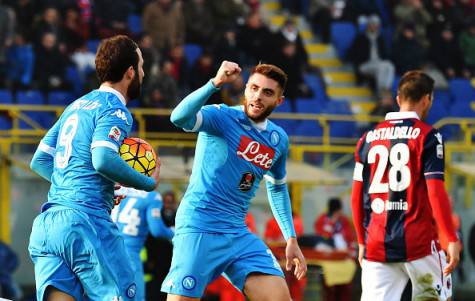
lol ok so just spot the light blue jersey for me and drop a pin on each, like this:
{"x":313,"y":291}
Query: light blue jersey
{"x":74,"y":244}
{"x":99,"y":118}
{"x":138,"y":215}
{"x":232,"y":156}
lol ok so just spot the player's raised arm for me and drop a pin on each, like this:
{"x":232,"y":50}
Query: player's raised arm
{"x":185,"y":115}
{"x":43,"y":160}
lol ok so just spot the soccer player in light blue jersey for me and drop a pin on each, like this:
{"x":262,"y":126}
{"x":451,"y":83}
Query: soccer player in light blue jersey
{"x":236,"y":148}
{"x":75,"y":246}
{"x":136,"y":216}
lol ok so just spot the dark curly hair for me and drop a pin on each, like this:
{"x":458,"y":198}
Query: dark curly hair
{"x":114,"y":56}
{"x":272,"y":71}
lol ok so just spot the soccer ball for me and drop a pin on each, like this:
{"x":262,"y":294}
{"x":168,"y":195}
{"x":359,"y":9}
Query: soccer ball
{"x":139,"y":155}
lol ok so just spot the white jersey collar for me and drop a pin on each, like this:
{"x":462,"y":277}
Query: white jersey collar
{"x":119,"y":95}
{"x":401,"y":115}
{"x":261,"y":126}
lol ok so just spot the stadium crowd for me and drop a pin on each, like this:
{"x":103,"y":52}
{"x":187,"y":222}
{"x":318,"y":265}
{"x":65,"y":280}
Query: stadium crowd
{"x":50,"y":44}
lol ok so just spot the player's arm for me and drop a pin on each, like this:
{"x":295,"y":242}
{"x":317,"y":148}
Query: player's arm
{"x":155,"y":223}
{"x":187,"y":113}
{"x":279,"y":200}
{"x":357,"y":200}
{"x":43,"y":160}
{"x":111,"y":129}
{"x":107,"y":162}
{"x":433,"y":164}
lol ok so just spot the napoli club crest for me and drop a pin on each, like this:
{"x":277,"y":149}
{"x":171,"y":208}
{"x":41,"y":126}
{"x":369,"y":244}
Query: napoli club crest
{"x":274,"y":138}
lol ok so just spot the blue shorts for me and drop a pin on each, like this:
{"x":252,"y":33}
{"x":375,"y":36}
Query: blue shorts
{"x":81,"y":255}
{"x":199,"y":258}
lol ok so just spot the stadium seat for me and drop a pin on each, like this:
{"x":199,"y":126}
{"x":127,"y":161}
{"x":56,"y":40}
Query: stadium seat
{"x":342,"y":36}
{"x":92,"y":45}
{"x":5,"y":121}
{"x":134,"y":103}
{"x":192,"y":53}
{"x":284,"y":107}
{"x":310,"y":106}
{"x":34,"y":97}
{"x":74,"y":78}
{"x":288,"y":125}
{"x":6,"y":96}
{"x":340,"y":129}
{"x":309,"y":128}
{"x":461,"y":90}
{"x":316,"y":85}
{"x":60,"y":98}
{"x":134,"y":23}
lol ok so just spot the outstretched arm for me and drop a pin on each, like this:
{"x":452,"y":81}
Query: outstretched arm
{"x":186,"y":115}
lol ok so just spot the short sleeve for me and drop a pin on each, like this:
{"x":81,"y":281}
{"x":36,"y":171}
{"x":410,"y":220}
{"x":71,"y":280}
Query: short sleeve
{"x":277,"y":173}
{"x":433,"y":156}
{"x":112,"y":126}
{"x":211,"y":119}
{"x":48,"y":143}
{"x":358,"y":170}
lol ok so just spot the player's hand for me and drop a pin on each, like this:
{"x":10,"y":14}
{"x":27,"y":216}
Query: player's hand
{"x":118,"y":197}
{"x":156,"y":172}
{"x":453,"y":256}
{"x":227,"y":73}
{"x":360,"y":253}
{"x":294,"y":256}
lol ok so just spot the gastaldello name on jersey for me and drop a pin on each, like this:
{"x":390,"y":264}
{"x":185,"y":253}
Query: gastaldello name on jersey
{"x":392,"y":133}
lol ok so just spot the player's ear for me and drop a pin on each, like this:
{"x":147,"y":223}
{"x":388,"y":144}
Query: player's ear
{"x":280,"y":100}
{"x":130,"y":73}
{"x":398,"y":100}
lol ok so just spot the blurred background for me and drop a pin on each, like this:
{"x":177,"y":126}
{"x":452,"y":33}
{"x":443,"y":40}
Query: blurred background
{"x":343,"y":58}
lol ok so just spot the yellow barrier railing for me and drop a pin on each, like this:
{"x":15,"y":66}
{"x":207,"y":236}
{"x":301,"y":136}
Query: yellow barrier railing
{"x":324,"y":144}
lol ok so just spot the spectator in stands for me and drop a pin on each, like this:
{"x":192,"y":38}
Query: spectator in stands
{"x":202,"y":70}
{"x":287,"y":58}
{"x":50,"y":70}
{"x":467,"y":44}
{"x":446,"y":54}
{"x":385,"y":105}
{"x":85,"y":17}
{"x":225,"y":14}
{"x":232,"y":94}
{"x":413,"y":12}
{"x":290,"y":33}
{"x":151,"y":57}
{"x":336,"y":227}
{"x":9,"y":262}
{"x":408,"y":54}
{"x":254,"y":38}
{"x":356,"y":8}
{"x":441,"y":17}
{"x":84,"y":60}
{"x":7,"y":27}
{"x":24,"y":16}
{"x":273,"y":235}
{"x":226,"y":48}
{"x":322,"y":13}
{"x":111,"y":17}
{"x":50,"y":22}
{"x":20,"y":58}
{"x":160,"y":251}
{"x":71,"y":32}
{"x":164,"y":21}
{"x":162,"y":90}
{"x":180,"y":67}
{"x":369,"y":56}
{"x":198,"y":23}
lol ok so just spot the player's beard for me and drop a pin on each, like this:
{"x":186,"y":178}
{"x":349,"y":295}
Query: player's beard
{"x":261,"y":117}
{"x":135,"y":87}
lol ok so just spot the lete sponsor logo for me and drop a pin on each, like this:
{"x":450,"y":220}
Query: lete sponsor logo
{"x":258,"y":154}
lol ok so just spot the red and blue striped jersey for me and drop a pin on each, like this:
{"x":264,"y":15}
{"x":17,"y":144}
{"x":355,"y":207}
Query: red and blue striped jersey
{"x":393,"y":162}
